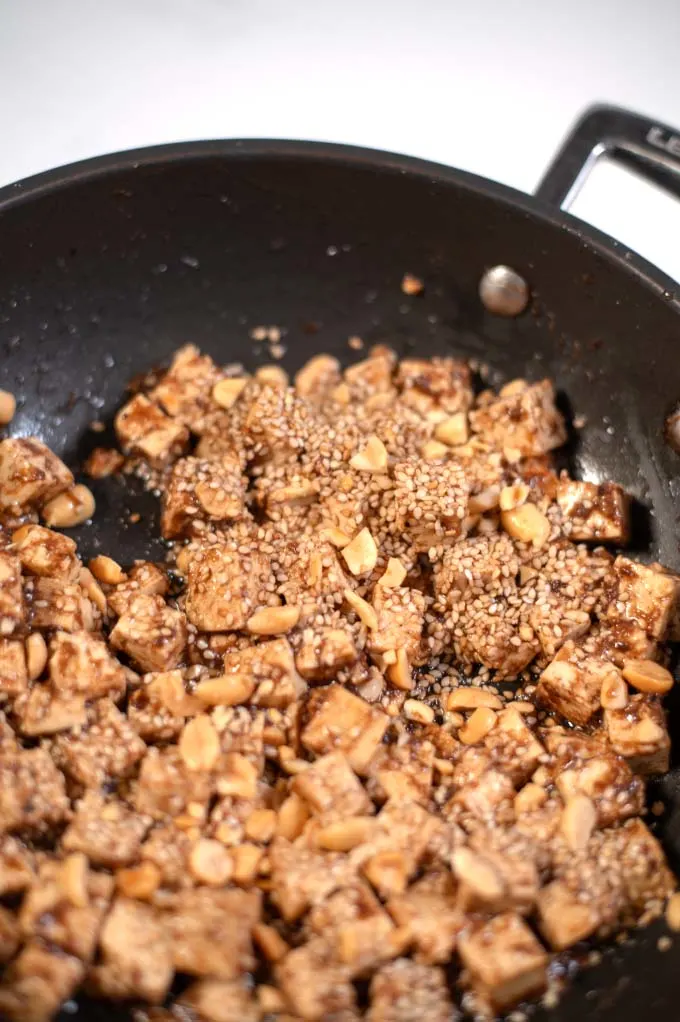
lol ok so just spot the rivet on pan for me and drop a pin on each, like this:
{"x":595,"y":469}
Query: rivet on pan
{"x":503,"y":291}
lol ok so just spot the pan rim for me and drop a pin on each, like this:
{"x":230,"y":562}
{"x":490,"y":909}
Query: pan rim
{"x":90,"y":169}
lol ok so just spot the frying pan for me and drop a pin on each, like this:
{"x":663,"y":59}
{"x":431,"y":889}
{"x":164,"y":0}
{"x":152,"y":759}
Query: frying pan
{"x":107,"y":266}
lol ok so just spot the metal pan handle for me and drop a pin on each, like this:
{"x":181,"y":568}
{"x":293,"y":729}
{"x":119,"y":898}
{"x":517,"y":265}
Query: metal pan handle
{"x":648,"y":147}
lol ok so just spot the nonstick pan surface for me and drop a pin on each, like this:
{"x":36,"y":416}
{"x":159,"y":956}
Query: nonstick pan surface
{"x":108,"y":266}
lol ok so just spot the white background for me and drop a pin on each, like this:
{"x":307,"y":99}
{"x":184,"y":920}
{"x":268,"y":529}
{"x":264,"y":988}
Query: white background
{"x":486,"y":85}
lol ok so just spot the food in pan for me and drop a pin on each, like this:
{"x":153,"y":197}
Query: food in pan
{"x":390,"y":704}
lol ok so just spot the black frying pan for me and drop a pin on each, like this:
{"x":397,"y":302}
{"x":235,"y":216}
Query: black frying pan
{"x":107,"y":266}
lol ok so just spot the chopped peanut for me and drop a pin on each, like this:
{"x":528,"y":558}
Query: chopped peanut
{"x":418,"y":711}
{"x":453,"y":431}
{"x":8,"y":406}
{"x":394,"y":574}
{"x":614,"y":693}
{"x":226,"y":392}
{"x":363,"y":610}
{"x":372,"y":458}
{"x":345,"y":834}
{"x":36,"y":655}
{"x":527,"y":524}
{"x":199,"y":744}
{"x":70,"y":508}
{"x":478,"y":726}
{"x":226,"y":690}
{"x":646,"y":676}
{"x":105,"y":569}
{"x":361,"y":554}
{"x":210,"y":863}
{"x":578,"y":821}
{"x":273,"y":620}
{"x":469,"y":698}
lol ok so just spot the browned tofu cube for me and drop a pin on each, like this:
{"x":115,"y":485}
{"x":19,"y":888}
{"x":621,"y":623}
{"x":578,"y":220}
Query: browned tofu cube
{"x":618,"y":640}
{"x":371,"y":376}
{"x":513,"y":747}
{"x":399,"y":839}
{"x":314,"y":982}
{"x":136,"y":953}
{"x":169,"y":848}
{"x":202,"y":491}
{"x":185,"y":392}
{"x":565,"y":918}
{"x":330,"y":786}
{"x":38,"y":982}
{"x":505,"y":961}
{"x":17,"y":865}
{"x":494,"y":881}
{"x":107,"y":746}
{"x":482,"y":799}
{"x":167,"y":786}
{"x":334,"y":719}
{"x":572,"y":683}
{"x":143,"y":579}
{"x":151,"y":633}
{"x":225,"y":587}
{"x":10,"y":935}
{"x":11,"y":595}
{"x":271,"y":667}
{"x":646,"y":878}
{"x":488,"y":633}
{"x":32,"y":792}
{"x":324,"y":652}
{"x":645,"y":595}
{"x":442,"y":384}
{"x":81,"y":664}
{"x":277,"y":423}
{"x":405,"y":991}
{"x":46,"y":712}
{"x":428,"y":502}
{"x":210,"y":931}
{"x":356,"y":925}
{"x":46,"y":552}
{"x":108,"y":833}
{"x":65,"y":906}
{"x":477,"y":562}
{"x":524,"y":422}
{"x":301,"y":877}
{"x":587,"y":766}
{"x":159,"y":709}
{"x":638,"y":732}
{"x":598,"y":513}
{"x":62,"y":606}
{"x":403,"y":771}
{"x":143,"y":429}
{"x":221,"y":1000}
{"x":401,"y":614}
{"x":30,"y":474}
{"x":314,"y":573}
{"x":13,"y":670}
{"x":429,"y":911}
{"x":318,"y":377}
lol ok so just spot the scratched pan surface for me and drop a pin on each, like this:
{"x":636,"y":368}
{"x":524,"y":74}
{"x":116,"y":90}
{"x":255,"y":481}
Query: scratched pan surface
{"x":107,"y":267}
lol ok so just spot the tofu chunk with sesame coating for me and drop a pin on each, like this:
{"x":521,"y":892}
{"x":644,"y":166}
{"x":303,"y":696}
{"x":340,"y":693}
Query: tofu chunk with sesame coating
{"x":210,"y":931}
{"x":645,"y":595}
{"x":106,"y":747}
{"x":525,"y":421}
{"x":12,"y":611}
{"x":107,"y":832}
{"x":166,"y":785}
{"x":168,"y":848}
{"x":37,"y":983}
{"x":30,"y":474}
{"x":185,"y":391}
{"x":403,"y":771}
{"x":428,"y":502}
{"x":144,"y":429}
{"x":429,"y":911}
{"x":17,"y":865}
{"x":159,"y":708}
{"x":639,"y":733}
{"x":136,"y":953}
{"x":314,"y":573}
{"x":647,"y":879}
{"x":314,"y":982}
{"x":317,"y":379}
{"x":371,"y":376}
{"x":618,"y":640}
{"x":564,"y":918}
{"x":356,"y":925}
{"x":335,"y":719}
{"x":331,"y":787}
{"x":401,"y":616}
{"x":505,"y":961}
{"x":513,"y":747}
{"x":572,"y":683}
{"x":437,"y":384}
{"x":484,"y":797}
{"x":46,"y":712}
{"x":32,"y":792}
{"x":406,"y":991}
{"x":487,"y":564}
{"x":10,"y":935}
{"x":46,"y":552}
{"x":225,"y":587}
{"x":13,"y":669}
{"x":81,"y":664}
{"x":151,"y":633}
{"x":218,"y":1000}
{"x":301,"y":877}
{"x":60,"y":606}
{"x":592,"y":512}
{"x":271,"y":666}
{"x":143,"y":579}
{"x":202,"y":491}
{"x":277,"y":422}
{"x":324,"y":652}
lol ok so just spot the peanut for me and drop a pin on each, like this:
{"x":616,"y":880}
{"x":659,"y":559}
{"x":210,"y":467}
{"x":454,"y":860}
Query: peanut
{"x":8,"y":406}
{"x":361,"y":554}
{"x":247,"y":859}
{"x":399,"y":674}
{"x":105,"y":569}
{"x":614,"y":692}
{"x":527,"y":524}
{"x":140,"y":881}
{"x":226,"y":392}
{"x":293,"y":814}
{"x":261,"y":825}
{"x":673,"y":912}
{"x":418,"y":711}
{"x":362,"y":609}
{"x":470,"y":697}
{"x":210,"y":862}
{"x":273,"y":620}
{"x":646,"y":676}
{"x":394,"y":574}
{"x":199,"y":744}
{"x":434,"y":450}
{"x":513,"y":496}
{"x":73,"y":879}
{"x":372,"y":458}
{"x":345,"y":834}
{"x":36,"y":655}
{"x":226,"y":690}
{"x":270,"y":942}
{"x":272,"y":376}
{"x":453,"y":431}
{"x":578,"y":822}
{"x":411,"y":285}
{"x":478,"y":726}
{"x":70,"y":508}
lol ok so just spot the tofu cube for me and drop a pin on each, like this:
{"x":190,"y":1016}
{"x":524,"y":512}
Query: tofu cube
{"x":144,"y":429}
{"x":143,"y":579}
{"x":505,"y":961}
{"x":301,"y":877}
{"x":46,"y":712}
{"x":32,"y":792}
{"x":486,"y":799}
{"x":46,"y":552}
{"x":59,"y":606}
{"x":524,"y":422}
{"x":17,"y":865}
{"x":136,"y":953}
{"x":106,"y":747}
{"x":30,"y":474}
{"x":639,"y":733}
{"x":356,"y":925}
{"x":166,"y":785}
{"x":647,"y":880}
{"x":513,"y":747}
{"x":403,"y":771}
{"x":314,"y":982}
{"x":645,"y":595}
{"x":597,"y":513}
{"x":210,"y":931}
{"x":277,"y":423}
{"x":406,"y":991}
{"x":563,"y":918}
{"x":225,"y":587}
{"x":618,"y":640}
{"x":108,"y":833}
{"x":428,"y":502}
{"x":437,"y":384}
{"x":271,"y":666}
{"x":232,"y":1001}
{"x":13,"y":670}
{"x":335,"y":719}
{"x":572,"y":683}
{"x":202,"y":491}
{"x":71,"y":922}
{"x":37,"y":983}
{"x":185,"y":392}
{"x":429,"y":911}
{"x":81,"y":664}
{"x":151,"y":633}
{"x":12,"y":611}
{"x":330,"y":786}
{"x":371,"y":376}
{"x":401,"y":615}
{"x":324,"y":652}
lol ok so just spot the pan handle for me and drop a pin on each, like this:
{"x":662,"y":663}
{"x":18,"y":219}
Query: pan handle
{"x":648,"y":147}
